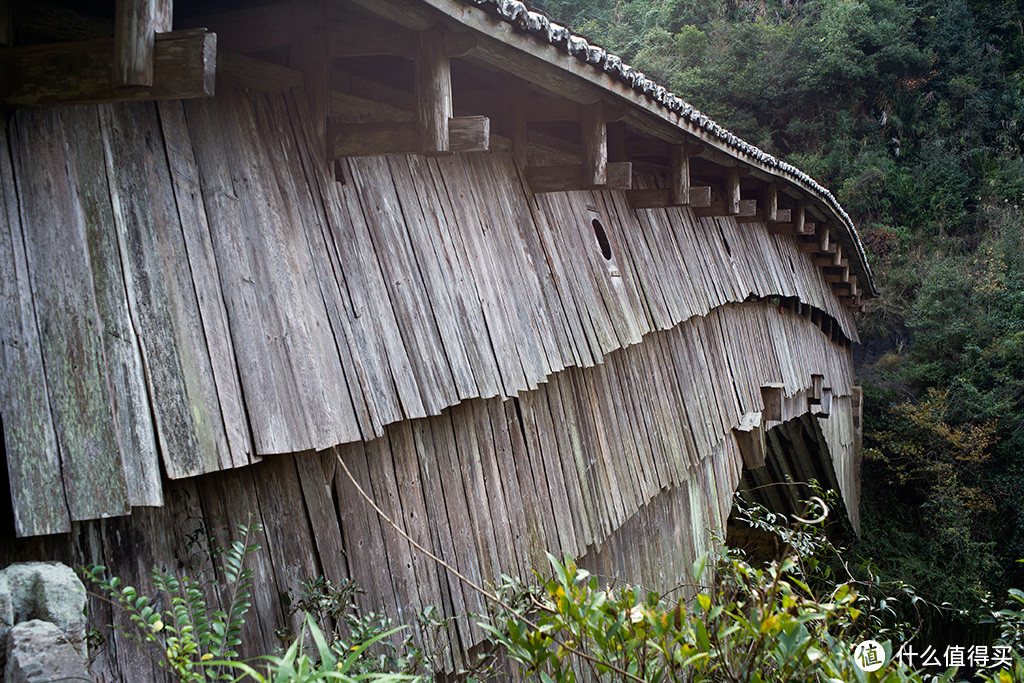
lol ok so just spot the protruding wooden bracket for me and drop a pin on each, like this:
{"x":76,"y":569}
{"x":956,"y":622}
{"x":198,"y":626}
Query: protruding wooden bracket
{"x":814,"y":394}
{"x":746,"y":208}
{"x":618,"y":176}
{"x":465,"y":134}
{"x":780,"y":226}
{"x":771,"y":398}
{"x":594,"y":140}
{"x":185,"y":64}
{"x":661,"y":198}
{"x":825,"y":407}
{"x":749,"y":435}
{"x":136,"y":24}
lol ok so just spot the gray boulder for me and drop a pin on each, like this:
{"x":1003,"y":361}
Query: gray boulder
{"x":39,"y":652}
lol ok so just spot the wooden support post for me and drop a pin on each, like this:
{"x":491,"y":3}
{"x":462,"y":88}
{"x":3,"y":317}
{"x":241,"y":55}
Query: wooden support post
{"x":594,"y":138}
{"x":837,"y":257}
{"x":80,"y":72}
{"x":770,"y":202}
{"x":308,"y":55}
{"x":814,"y":396}
{"x":136,"y":24}
{"x":514,"y":107}
{"x":679,"y":181}
{"x":854,"y":286}
{"x":6,"y":22}
{"x":823,"y":238}
{"x":732,"y":191}
{"x":798,"y":218}
{"x":433,"y":91}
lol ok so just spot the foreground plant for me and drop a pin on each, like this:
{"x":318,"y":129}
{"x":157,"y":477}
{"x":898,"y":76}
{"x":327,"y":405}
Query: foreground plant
{"x":742,"y":623}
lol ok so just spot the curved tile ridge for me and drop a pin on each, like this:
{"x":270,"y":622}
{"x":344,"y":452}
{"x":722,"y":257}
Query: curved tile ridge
{"x":516,"y":13}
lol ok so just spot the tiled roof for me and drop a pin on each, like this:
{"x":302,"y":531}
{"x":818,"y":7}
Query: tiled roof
{"x":516,"y":13}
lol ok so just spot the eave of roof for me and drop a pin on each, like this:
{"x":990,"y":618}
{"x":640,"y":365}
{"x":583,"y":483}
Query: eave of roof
{"x":536,"y":24}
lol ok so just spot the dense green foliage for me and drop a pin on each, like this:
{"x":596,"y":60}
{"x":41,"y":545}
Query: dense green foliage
{"x":912,"y":112}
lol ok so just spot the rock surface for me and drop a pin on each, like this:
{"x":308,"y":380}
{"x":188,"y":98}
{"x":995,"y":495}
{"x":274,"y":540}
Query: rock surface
{"x":38,"y":652}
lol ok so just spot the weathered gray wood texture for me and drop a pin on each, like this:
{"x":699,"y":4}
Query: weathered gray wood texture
{"x":199,"y":259}
{"x":635,"y":452}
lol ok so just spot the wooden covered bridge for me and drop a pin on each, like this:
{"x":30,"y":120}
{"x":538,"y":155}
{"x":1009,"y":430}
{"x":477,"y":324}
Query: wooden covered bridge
{"x":535,"y":302}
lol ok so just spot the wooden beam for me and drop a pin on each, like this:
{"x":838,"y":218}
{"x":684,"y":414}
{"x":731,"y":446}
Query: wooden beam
{"x":136,"y":23}
{"x":746,"y":208}
{"x":376,"y":37}
{"x":258,"y":74}
{"x":466,"y":134}
{"x":618,"y":176}
{"x":594,"y":138}
{"x":679,"y":178}
{"x":433,"y":91}
{"x":80,"y":73}
{"x":252,"y":29}
{"x":370,"y":37}
{"x":661,"y":198}
{"x":732,"y":191}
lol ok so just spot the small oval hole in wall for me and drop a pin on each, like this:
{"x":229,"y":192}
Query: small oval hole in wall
{"x":602,"y":240}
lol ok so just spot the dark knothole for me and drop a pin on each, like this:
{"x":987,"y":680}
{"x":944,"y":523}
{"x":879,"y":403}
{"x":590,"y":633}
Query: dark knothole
{"x":602,"y":239}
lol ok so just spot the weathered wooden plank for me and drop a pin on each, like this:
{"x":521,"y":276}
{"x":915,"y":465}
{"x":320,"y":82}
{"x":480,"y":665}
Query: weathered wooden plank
{"x":322,"y":517}
{"x":129,"y":395}
{"x":292,"y":379}
{"x":65,"y":307}
{"x":80,"y":73}
{"x":206,"y":279}
{"x":33,"y":457}
{"x":161,"y":294}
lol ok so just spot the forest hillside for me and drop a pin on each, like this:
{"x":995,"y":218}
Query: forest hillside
{"x":912,"y":113}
